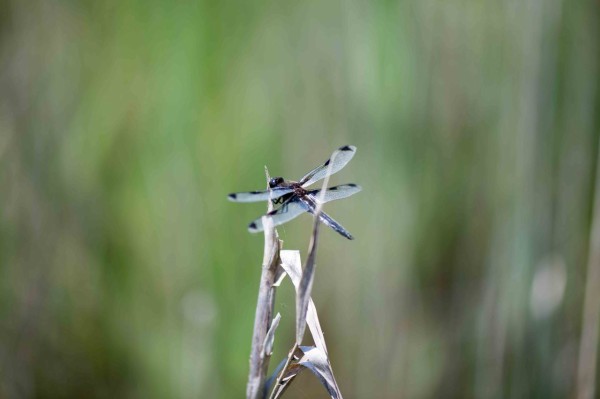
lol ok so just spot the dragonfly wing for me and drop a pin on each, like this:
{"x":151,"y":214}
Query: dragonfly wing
{"x":334,"y":193}
{"x":326,"y":219}
{"x":288,"y":211}
{"x":338,"y":160}
{"x":256,"y":196}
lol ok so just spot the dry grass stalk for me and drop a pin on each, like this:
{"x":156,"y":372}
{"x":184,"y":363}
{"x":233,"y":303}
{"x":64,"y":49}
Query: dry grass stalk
{"x":259,"y":357}
{"x":300,"y":357}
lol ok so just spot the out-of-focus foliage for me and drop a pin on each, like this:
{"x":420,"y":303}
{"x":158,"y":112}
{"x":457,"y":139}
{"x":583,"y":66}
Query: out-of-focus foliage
{"x":124,"y":272}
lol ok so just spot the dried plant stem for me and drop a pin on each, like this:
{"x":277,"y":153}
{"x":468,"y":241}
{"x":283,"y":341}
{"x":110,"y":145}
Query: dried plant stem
{"x":305,"y":288}
{"x":259,"y":359}
{"x":283,"y":370}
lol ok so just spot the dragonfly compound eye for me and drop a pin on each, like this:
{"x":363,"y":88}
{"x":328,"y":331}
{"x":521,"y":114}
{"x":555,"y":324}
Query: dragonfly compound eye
{"x":275,"y":182}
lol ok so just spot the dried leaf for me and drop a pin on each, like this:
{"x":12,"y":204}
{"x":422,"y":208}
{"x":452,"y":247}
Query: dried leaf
{"x":280,"y":273}
{"x":274,"y":375}
{"x":286,"y":380}
{"x":317,"y":361}
{"x":270,"y":337}
{"x":304,"y":288}
{"x":291,"y":263}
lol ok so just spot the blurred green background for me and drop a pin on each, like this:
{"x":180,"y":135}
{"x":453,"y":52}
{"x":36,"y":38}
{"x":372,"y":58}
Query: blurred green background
{"x":125,"y":272}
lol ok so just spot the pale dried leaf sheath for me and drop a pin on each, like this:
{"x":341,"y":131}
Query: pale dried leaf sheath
{"x":270,"y":338}
{"x":316,"y":361}
{"x":291,"y":263}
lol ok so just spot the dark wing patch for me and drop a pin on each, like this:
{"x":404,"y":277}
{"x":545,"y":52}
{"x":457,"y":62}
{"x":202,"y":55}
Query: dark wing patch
{"x":256,"y":196}
{"x":338,"y":160}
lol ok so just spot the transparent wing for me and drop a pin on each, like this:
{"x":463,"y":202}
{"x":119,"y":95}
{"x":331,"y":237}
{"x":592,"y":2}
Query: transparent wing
{"x":326,"y":219}
{"x":338,"y":160}
{"x":335,"y":193}
{"x":288,"y":211}
{"x":256,"y":196}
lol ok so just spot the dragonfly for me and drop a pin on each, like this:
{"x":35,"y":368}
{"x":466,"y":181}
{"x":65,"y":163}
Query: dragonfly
{"x":296,"y":198}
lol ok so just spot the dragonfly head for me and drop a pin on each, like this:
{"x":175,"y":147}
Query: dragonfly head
{"x":276,"y":182}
